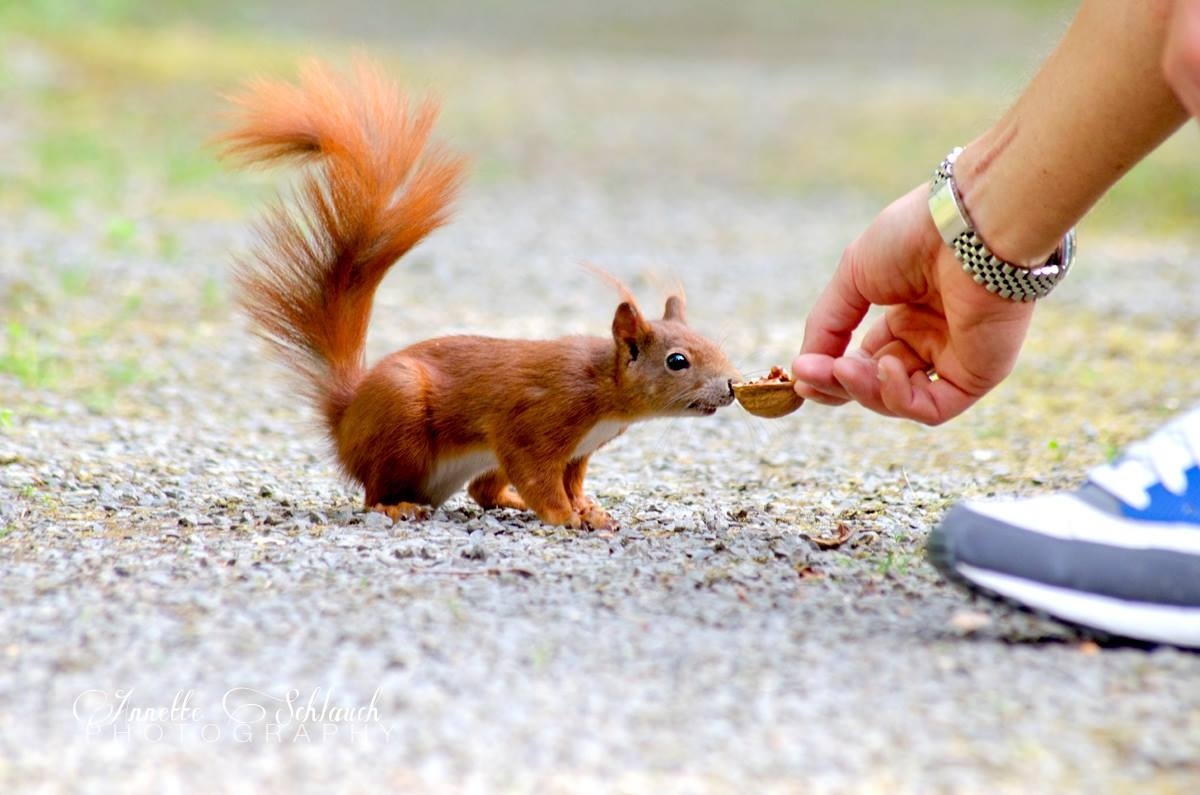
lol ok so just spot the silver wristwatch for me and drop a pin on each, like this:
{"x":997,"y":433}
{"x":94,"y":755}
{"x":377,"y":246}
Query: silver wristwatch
{"x":1002,"y":278}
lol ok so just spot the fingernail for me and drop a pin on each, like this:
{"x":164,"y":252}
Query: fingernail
{"x":880,"y":373}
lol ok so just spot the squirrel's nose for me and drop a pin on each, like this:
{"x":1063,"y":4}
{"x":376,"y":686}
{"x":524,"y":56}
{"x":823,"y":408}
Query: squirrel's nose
{"x":729,"y":384}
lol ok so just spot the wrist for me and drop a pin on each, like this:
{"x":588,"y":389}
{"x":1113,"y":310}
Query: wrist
{"x":998,"y":275}
{"x":1008,"y":209}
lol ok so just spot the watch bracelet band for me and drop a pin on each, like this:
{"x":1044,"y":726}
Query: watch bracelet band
{"x":1002,"y":278}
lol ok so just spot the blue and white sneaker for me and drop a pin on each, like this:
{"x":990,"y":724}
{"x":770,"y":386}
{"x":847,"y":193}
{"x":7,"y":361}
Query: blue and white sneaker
{"x":1121,"y":555}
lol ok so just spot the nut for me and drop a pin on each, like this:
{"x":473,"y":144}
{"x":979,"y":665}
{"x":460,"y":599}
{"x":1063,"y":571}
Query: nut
{"x":771,"y":396}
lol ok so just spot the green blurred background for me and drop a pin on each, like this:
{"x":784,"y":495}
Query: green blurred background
{"x":109,"y":102}
{"x":106,"y":108}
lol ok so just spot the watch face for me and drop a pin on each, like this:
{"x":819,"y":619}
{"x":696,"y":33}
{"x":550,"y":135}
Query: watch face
{"x":1068,"y":252}
{"x":946,"y":211}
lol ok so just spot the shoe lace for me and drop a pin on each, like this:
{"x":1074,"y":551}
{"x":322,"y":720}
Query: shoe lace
{"x":1163,"y":458}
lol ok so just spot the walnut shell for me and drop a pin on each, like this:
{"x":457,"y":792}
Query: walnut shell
{"x":769,"y":399}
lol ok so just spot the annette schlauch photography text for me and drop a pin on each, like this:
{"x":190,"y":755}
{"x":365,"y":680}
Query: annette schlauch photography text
{"x":242,"y":715}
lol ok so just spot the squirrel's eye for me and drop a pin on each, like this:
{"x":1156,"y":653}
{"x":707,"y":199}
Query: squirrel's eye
{"x":677,"y":361}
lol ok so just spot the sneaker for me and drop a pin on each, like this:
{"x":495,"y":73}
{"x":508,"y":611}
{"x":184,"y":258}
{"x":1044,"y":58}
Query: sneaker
{"x":1121,"y":555}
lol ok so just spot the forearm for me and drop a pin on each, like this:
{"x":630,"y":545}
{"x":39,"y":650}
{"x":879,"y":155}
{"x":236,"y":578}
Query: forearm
{"x":1098,"y":105}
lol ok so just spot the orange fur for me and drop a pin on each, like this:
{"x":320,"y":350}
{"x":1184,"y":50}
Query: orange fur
{"x":435,"y":415}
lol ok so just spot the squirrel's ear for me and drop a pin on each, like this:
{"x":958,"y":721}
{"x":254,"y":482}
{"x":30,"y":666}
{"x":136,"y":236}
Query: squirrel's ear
{"x":630,"y":329}
{"x":675,"y":309}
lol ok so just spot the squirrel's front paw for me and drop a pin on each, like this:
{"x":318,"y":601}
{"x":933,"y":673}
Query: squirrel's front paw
{"x":595,"y":517}
{"x":561,"y":516}
{"x":583,"y":513}
{"x":402,"y":510}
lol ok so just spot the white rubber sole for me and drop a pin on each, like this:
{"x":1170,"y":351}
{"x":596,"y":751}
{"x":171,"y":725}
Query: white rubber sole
{"x":1178,"y":626}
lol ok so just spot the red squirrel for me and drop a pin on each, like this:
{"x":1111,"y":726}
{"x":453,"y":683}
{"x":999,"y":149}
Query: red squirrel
{"x":516,"y":419}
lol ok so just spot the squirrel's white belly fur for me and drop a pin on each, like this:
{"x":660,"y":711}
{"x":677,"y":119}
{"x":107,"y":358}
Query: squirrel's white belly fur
{"x":451,"y":474}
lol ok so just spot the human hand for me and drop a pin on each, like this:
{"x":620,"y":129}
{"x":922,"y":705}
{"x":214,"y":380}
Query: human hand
{"x":1181,"y":54}
{"x":937,"y":318}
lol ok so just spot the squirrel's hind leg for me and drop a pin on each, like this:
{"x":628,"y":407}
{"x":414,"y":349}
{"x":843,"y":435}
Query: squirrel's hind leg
{"x":382,"y":439}
{"x":492,"y":490}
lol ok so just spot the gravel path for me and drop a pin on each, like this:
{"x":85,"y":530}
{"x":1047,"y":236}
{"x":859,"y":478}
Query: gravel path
{"x":194,"y":542}
{"x":172,"y":534}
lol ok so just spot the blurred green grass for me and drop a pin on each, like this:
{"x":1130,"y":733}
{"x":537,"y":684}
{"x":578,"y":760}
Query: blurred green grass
{"x":124,"y":94}
{"x":107,"y":108}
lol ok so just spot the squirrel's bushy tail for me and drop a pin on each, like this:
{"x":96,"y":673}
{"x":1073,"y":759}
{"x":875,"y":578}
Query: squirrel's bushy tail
{"x":374,"y":189}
